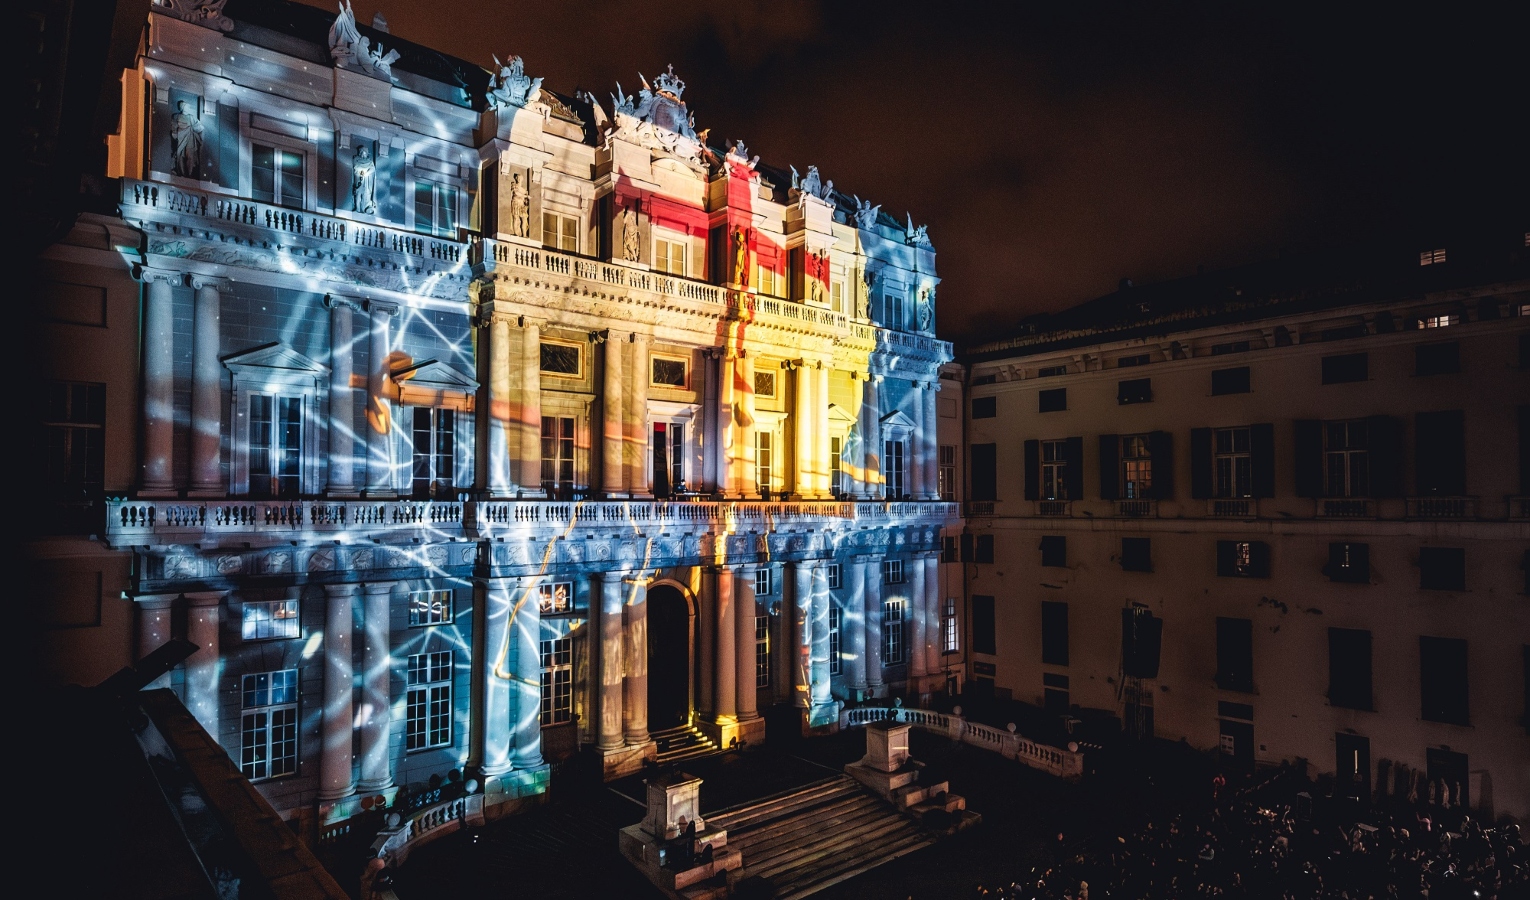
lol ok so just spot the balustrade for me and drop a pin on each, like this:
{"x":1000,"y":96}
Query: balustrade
{"x":132,"y":520}
{"x":1067,"y":764}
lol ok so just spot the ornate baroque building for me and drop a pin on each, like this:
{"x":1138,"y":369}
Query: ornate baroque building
{"x":465,"y":425}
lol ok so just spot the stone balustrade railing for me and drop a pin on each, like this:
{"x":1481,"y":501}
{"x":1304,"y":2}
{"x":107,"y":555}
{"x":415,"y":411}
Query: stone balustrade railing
{"x":394,"y":843}
{"x":487,"y":515}
{"x":1066,"y":764}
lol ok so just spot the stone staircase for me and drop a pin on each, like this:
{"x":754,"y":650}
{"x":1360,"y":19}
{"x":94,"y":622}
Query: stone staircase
{"x":681,"y":743}
{"x":807,"y":839}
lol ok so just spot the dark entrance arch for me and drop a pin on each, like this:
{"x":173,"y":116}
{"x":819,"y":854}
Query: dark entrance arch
{"x":669,"y":658}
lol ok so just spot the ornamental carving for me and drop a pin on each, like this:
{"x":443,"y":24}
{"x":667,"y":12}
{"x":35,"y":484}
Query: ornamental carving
{"x":230,"y":565}
{"x":207,"y":13}
{"x":350,"y":50}
{"x":321,"y":561}
{"x":361,"y":559}
{"x":658,"y":119}
{"x":276,"y":563}
{"x":512,"y":86}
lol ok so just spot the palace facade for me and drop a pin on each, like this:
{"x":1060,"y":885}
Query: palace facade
{"x":465,"y":425}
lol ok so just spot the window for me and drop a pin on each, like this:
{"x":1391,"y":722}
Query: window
{"x":668,"y":372}
{"x":1431,"y":257}
{"x":1347,"y":458}
{"x":1442,"y":568}
{"x":892,"y":310}
{"x":434,"y":447}
{"x":430,"y":608}
{"x":435,"y":209}
{"x":892,"y":468}
{"x":276,"y":176}
{"x":555,"y":597}
{"x":668,"y":458}
{"x":268,"y":724}
{"x":1054,"y":692}
{"x":985,"y":378}
{"x":1137,"y":554}
{"x":762,"y":651}
{"x":1230,"y":347}
{"x":1243,"y":559}
{"x":984,"y":549}
{"x":1344,"y":333}
{"x":1054,"y":400}
{"x":1136,"y":467}
{"x":1437,"y":359}
{"x":948,"y":550}
{"x":835,"y":576}
{"x":1054,"y":470}
{"x":763,"y":473}
{"x":764,"y":384}
{"x":1054,"y":551}
{"x":669,"y":256}
{"x":1442,"y":680}
{"x":1234,"y":465}
{"x":834,"y":667}
{"x":1051,"y":371}
{"x":892,"y":632}
{"x":837,"y":484}
{"x":560,"y":232}
{"x":1140,"y":359}
{"x":270,"y":619}
{"x":1230,"y":381}
{"x":982,"y":624}
{"x":892,"y":571}
{"x":557,"y":454}
{"x":1054,"y":633}
{"x":276,"y":445}
{"x":428,"y":706}
{"x":1346,"y":367}
{"x":560,"y":359}
{"x":947,"y":472}
{"x":985,"y":472}
{"x":557,"y":681}
{"x":1444,"y":320}
{"x":1349,"y":562}
{"x":73,"y":447}
{"x":1134,"y":390}
{"x":1440,"y":453}
{"x":764,"y":583}
{"x":949,"y":634}
{"x":767,"y":281}
{"x":1349,"y":668}
{"x":837,"y":296}
{"x":984,"y":407}
{"x":1235,"y":654}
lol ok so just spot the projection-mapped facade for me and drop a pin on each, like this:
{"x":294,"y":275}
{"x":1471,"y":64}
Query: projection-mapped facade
{"x":479,"y":423}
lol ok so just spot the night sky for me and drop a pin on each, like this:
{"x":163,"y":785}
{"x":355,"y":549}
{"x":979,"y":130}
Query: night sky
{"x":1054,"y":151}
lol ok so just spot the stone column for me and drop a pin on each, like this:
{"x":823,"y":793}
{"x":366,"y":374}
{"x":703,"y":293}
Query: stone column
{"x":335,"y":757}
{"x":935,"y":629}
{"x":376,"y":691}
{"x":801,"y":647}
{"x":206,"y":392}
{"x":852,"y":629}
{"x":821,"y":696}
{"x":802,"y":426}
{"x":159,"y":383}
{"x":931,"y":424}
{"x":871,"y":411}
{"x":611,"y":470}
{"x":526,"y":686}
{"x":914,"y":483}
{"x":500,"y":410}
{"x":379,"y":404}
{"x":745,"y":401}
{"x":743,"y":624}
{"x":821,"y":428}
{"x":637,"y":452}
{"x":611,"y":662}
{"x":530,"y":450}
{"x":154,"y":628}
{"x":342,"y":398}
{"x":727,"y":649}
{"x":706,"y":652}
{"x":729,"y":454}
{"x":635,"y":687}
{"x":917,"y":621}
{"x":203,"y":666}
{"x":499,"y":598}
{"x":873,"y":594}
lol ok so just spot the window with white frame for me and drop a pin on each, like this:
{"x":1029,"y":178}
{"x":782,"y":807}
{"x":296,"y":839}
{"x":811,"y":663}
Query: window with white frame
{"x":764,"y":582}
{"x":1054,"y":470}
{"x":428,"y":706}
{"x":557,"y":455}
{"x":837,"y":296}
{"x":668,"y":449}
{"x":430,"y":608}
{"x":1347,"y":458}
{"x":560,"y":232}
{"x":1136,"y":467}
{"x":892,"y":571}
{"x":892,"y":468}
{"x":836,"y":579}
{"x":1233,"y":463}
{"x":556,"y":597}
{"x":276,"y":446}
{"x":948,"y":626}
{"x":764,"y":461}
{"x":434,"y":438}
{"x":270,"y":619}
{"x":268,"y":724}
{"x":669,"y":256}
{"x":557,"y":681}
{"x":892,"y":631}
{"x":834,"y":615}
{"x":435,"y":208}
{"x":836,"y":469}
{"x":947,"y":472}
{"x":892,"y":310}
{"x":768,"y":281}
{"x":276,"y":176}
{"x":762,"y":651}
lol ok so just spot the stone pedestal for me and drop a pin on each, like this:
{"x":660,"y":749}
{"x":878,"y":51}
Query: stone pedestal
{"x":886,"y":766}
{"x":674,"y":848}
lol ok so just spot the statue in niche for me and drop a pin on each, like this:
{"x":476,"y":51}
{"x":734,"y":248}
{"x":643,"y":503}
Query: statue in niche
{"x":740,"y":257}
{"x":186,"y":131}
{"x":926,"y":308}
{"x":870,"y":279}
{"x":818,"y":273}
{"x":520,"y":207}
{"x":632,"y":241}
{"x":364,"y":180}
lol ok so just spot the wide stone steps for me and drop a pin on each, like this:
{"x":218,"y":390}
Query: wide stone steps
{"x":681,"y":743}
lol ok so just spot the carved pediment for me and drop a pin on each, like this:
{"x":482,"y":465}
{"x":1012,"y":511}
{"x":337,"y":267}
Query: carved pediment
{"x":432,"y":374}
{"x":896,"y":419}
{"x":273,"y":358}
{"x":838,"y":413}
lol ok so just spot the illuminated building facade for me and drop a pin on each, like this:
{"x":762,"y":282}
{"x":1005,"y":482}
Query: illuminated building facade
{"x":1313,"y":477}
{"x":466,"y":425}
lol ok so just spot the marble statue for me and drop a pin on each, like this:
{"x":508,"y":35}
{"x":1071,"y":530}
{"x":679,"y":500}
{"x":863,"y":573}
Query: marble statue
{"x":186,"y":131}
{"x":602,"y":124}
{"x":207,"y":13}
{"x":658,"y":119}
{"x":364,"y":181}
{"x":512,"y":86}
{"x":632,"y":241}
{"x":740,"y":154}
{"x":350,"y":49}
{"x":865,"y":213}
{"x":740,"y":257}
{"x":926,"y":308}
{"x":811,"y":185}
{"x":818,"y":273}
{"x":919,"y":237}
{"x":520,"y":207}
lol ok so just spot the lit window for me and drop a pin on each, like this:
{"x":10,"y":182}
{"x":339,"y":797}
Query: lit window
{"x":668,"y":449}
{"x":560,"y":232}
{"x":837,"y":296}
{"x":892,"y":632}
{"x":268,"y":724}
{"x":276,"y":176}
{"x":1431,"y":257}
{"x":1054,"y":470}
{"x":1233,"y":463}
{"x":1442,"y":321}
{"x":763,"y":472}
{"x":767,"y":281}
{"x":1136,"y":467}
{"x":267,"y":619}
{"x":764,"y":584}
{"x":892,"y":571}
{"x":948,"y":631}
{"x":836,"y":469}
{"x":669,"y":256}
{"x":434,"y":447}
{"x":429,"y":608}
{"x":557,"y":681}
{"x":435,"y":209}
{"x":276,"y":445}
{"x":428,"y":707}
{"x":834,"y":652}
{"x":762,"y":651}
{"x":557,"y":597}
{"x":892,"y":468}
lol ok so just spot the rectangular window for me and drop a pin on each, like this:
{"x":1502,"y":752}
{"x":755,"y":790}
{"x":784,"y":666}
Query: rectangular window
{"x":669,"y":256}
{"x":268,"y":724}
{"x":837,"y":296}
{"x":560,"y":359}
{"x":948,"y":551}
{"x":764,"y":583}
{"x":1136,"y":467}
{"x":947,"y":472}
{"x":668,"y":458}
{"x":1349,"y":668}
{"x":892,"y":632}
{"x":836,"y":468}
{"x":1054,"y":551}
{"x":1442,"y":568}
{"x":668,"y":372}
{"x":1054,"y":633}
{"x":270,"y":619}
{"x":985,"y":472}
{"x":1442,"y":680}
{"x":983,"y":552}
{"x":835,"y":576}
{"x":1054,"y":400}
{"x":1233,"y":465}
{"x":428,"y":705}
{"x":1345,"y":367}
{"x":1051,"y":371}
{"x":892,"y":468}
{"x":892,"y":310}
{"x":1437,"y":359}
{"x":1347,"y":458}
{"x":1137,"y":554}
{"x":555,"y":597}
{"x":985,"y":407}
{"x":276,"y":176}
{"x":557,"y":681}
{"x":73,"y":422}
{"x":1134,"y":390}
{"x":434,"y":435}
{"x":560,"y":232}
{"x":435,"y":209}
{"x":1431,"y":257}
{"x":430,"y":608}
{"x":834,"y":667}
{"x":1243,"y":559}
{"x":1440,"y":321}
{"x":1235,"y":654}
{"x":1440,"y":453}
{"x":557,"y":455}
{"x":892,"y":571}
{"x":1230,"y":347}
{"x":767,"y":281}
{"x":982,"y":624}
{"x":276,"y":446}
{"x":764,"y":384}
{"x":1140,"y":359}
{"x":764,"y":473}
{"x":949,"y":633}
{"x":1054,"y":470}
{"x":762,"y":651}
{"x":1230,"y":381}
{"x":1349,"y":562}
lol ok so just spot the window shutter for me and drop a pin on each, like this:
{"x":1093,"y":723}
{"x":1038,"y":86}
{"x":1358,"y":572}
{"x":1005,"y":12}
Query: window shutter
{"x":1386,"y":436}
{"x":1110,"y":466}
{"x":1262,"y":458}
{"x":1033,"y":470}
{"x":1161,"y":446}
{"x":1309,"y":458}
{"x":1074,"y":447}
{"x":1200,"y":463}
{"x":1440,"y":453}
{"x":967,"y":550}
{"x":1226,"y":557}
{"x":1259,"y":559}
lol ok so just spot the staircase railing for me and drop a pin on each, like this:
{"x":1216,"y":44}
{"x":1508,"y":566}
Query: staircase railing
{"x":1066,"y":764}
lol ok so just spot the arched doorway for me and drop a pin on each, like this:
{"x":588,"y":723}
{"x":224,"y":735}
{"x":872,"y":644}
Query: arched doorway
{"x":669,"y":658}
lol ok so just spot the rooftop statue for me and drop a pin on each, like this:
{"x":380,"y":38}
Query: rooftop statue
{"x":658,"y":119}
{"x":865,"y":213}
{"x":739,"y":153}
{"x":919,"y":237}
{"x":207,"y":13}
{"x":350,"y":49}
{"x":810,"y":185}
{"x":512,"y":87}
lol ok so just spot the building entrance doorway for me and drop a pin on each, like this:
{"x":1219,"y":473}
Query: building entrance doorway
{"x":670,"y":631}
{"x":1352,"y":765}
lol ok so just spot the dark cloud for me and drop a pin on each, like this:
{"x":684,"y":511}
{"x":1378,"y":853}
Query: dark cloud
{"x":1057,"y":148}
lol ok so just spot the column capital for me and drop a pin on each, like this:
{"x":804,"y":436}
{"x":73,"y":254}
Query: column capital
{"x":155,"y":601}
{"x":152,"y":274}
{"x":384,"y":307}
{"x":730,"y":568}
{"x":531,"y":322}
{"x":612,"y":576}
{"x":377,"y":587}
{"x":342,"y":589}
{"x":199,"y":281}
{"x":636,"y":578}
{"x":334,"y":301}
{"x":862,"y":559}
{"x":205,"y":598}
